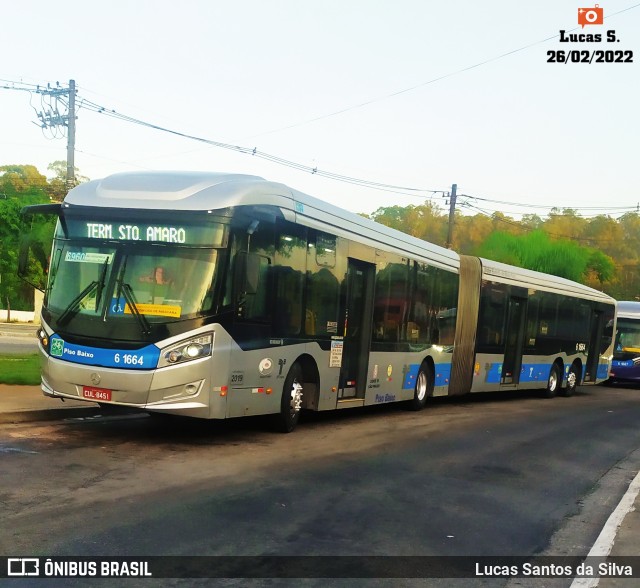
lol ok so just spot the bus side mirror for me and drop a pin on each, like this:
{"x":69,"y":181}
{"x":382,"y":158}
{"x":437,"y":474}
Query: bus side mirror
{"x":247,"y":273}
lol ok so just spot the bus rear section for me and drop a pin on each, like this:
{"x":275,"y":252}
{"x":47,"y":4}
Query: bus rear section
{"x":625,"y":367}
{"x":540,"y":332}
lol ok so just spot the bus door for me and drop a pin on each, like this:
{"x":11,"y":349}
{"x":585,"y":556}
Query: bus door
{"x":595,"y":335}
{"x":357,"y":317}
{"x":514,"y":340}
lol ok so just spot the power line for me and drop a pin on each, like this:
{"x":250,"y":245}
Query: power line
{"x":255,"y":152}
{"x":543,"y":206}
{"x":62,"y":94}
{"x":529,"y":229}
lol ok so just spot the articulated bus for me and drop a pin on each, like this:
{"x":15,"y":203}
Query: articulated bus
{"x":626,"y":351}
{"x":218,"y":295}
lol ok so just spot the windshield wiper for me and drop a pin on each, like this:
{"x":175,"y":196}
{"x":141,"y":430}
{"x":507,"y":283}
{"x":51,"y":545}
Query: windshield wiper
{"x":72,"y":308}
{"x":129,"y":297}
{"x":123,"y":287}
{"x":100,"y":287}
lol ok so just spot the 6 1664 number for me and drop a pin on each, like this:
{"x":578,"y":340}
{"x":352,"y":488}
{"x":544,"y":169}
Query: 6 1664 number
{"x":128,"y":358}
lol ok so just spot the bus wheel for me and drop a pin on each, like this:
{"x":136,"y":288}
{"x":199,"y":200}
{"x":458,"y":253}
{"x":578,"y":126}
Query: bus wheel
{"x":291,"y":402}
{"x":554,"y":381}
{"x":423,"y":389}
{"x":573,"y":379}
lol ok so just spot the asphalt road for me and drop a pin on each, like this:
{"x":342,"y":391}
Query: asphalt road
{"x":495,"y":475}
{"x":18,"y":338}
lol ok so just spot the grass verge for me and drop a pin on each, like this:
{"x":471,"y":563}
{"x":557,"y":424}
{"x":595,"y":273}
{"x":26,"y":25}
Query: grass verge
{"x":20,"y":369}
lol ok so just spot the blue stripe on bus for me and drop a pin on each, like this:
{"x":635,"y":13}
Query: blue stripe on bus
{"x":530,"y":372}
{"x":139,"y":359}
{"x":603,"y":371}
{"x":442,"y":375}
{"x":535,"y":372}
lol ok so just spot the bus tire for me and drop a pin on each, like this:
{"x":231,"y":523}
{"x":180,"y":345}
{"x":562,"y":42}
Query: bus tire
{"x":554,"y":382}
{"x":287,"y":419}
{"x":573,"y":380}
{"x":423,"y":388}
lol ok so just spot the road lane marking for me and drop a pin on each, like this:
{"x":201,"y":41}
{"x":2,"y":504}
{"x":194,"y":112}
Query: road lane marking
{"x":604,"y":543}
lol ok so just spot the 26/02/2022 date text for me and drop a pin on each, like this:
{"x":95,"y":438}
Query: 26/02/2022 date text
{"x":585,"y":56}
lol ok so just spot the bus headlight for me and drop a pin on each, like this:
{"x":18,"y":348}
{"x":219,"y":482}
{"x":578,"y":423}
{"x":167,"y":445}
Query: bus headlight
{"x":187,"y":350}
{"x":42,"y":337}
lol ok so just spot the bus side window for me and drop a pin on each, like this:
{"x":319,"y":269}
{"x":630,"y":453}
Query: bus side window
{"x":252,"y":278}
{"x":392,"y":300}
{"x":323,"y":287}
{"x":289,"y":272}
{"x":493,"y":306}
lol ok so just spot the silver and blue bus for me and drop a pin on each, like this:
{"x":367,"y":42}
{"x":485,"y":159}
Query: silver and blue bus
{"x":216,"y":295}
{"x":625,"y":367}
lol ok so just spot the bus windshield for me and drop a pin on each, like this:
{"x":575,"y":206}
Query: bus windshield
{"x":107,"y":281}
{"x":627,"y":336}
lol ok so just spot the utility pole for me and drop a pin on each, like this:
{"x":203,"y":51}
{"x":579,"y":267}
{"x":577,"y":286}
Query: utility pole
{"x":71,"y":138}
{"x":452,"y":210}
{"x":53,"y":117}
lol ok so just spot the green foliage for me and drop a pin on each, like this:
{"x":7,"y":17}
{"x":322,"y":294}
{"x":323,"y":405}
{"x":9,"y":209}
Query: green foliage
{"x":426,"y":221}
{"x":18,"y":180}
{"x":21,"y":185}
{"x":536,"y":251}
{"x":58,"y":186}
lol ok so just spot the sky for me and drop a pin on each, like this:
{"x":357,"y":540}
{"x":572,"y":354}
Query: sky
{"x":417,"y":94}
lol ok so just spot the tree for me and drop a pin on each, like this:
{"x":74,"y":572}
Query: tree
{"x":13,"y":291}
{"x":470,"y":232}
{"x":602,"y":266}
{"x":426,"y":221}
{"x":536,"y":251}
{"x":20,"y":185}
{"x":20,"y":180}
{"x":58,"y":187}
{"x":564,"y":224}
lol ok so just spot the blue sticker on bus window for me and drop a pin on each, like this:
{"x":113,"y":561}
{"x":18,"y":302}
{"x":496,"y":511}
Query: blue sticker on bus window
{"x":117,"y":305}
{"x":145,"y":358}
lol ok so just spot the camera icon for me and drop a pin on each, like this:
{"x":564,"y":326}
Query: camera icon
{"x":590,"y":16}
{"x":23,"y":566}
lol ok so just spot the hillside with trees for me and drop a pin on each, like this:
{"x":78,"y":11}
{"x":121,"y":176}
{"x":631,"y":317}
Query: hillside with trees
{"x":600,"y":252}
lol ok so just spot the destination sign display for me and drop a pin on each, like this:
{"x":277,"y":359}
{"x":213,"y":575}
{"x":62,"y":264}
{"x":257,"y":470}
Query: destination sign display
{"x":208,"y":234}
{"x":125,"y":232}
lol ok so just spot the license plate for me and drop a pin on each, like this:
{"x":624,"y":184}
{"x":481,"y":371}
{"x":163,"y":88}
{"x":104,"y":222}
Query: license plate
{"x":97,"y":394}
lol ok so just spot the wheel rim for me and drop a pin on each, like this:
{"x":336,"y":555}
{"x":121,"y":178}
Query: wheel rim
{"x":296,"y":398}
{"x":553,"y":380}
{"x":421,"y":386}
{"x":571,"y":379}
